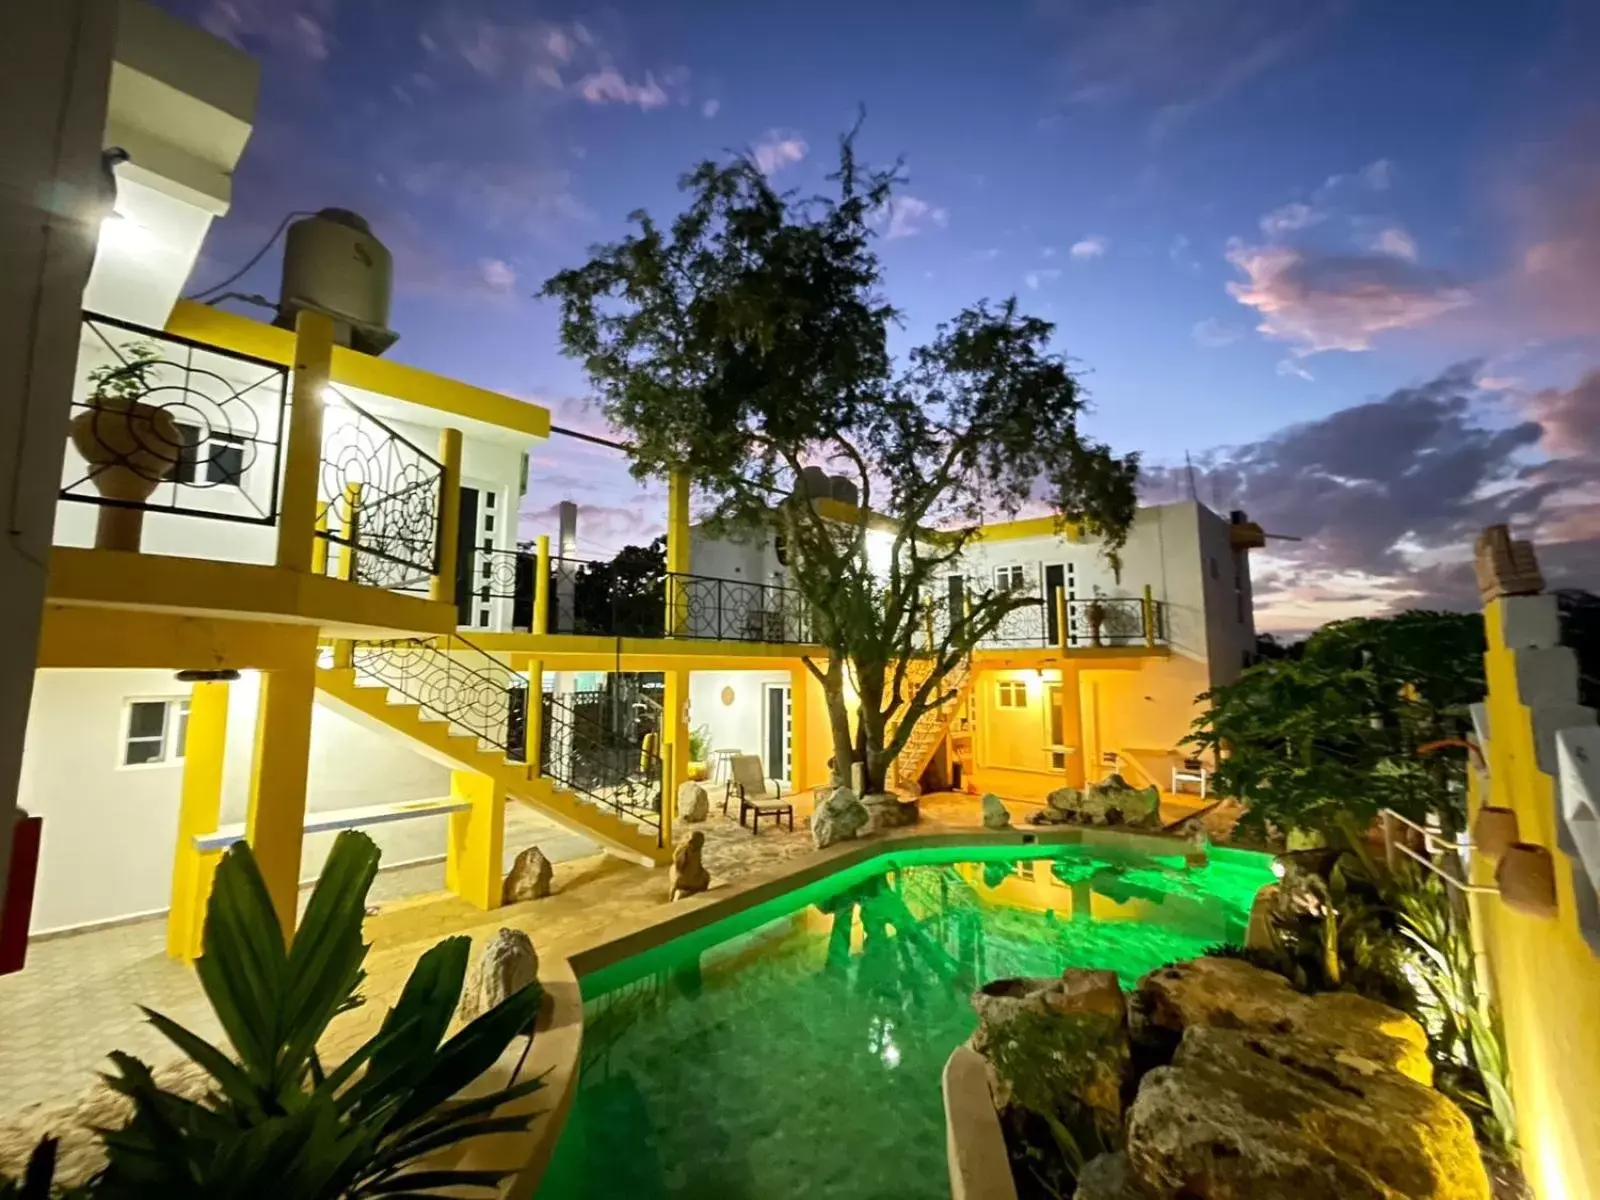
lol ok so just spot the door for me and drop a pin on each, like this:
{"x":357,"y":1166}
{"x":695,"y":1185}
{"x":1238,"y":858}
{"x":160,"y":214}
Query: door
{"x":956,"y":598}
{"x":777,"y":721}
{"x":1055,"y":735}
{"x":1055,"y":580}
{"x":476,"y":572}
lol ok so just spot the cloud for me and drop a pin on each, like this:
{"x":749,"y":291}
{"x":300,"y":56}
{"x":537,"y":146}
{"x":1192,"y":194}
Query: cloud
{"x":1290,"y":368}
{"x":609,"y":86}
{"x":1396,"y":243}
{"x":1290,"y":218}
{"x":1553,"y":285}
{"x":1388,"y":495}
{"x":1376,"y":175}
{"x":710,"y":108}
{"x":1337,"y":301}
{"x":498,"y":275}
{"x":1093,"y":246}
{"x":503,"y":196}
{"x":1036,"y":279}
{"x":778,"y":148}
{"x":298,"y":28}
{"x":1212,"y":333}
{"x":1175,"y":58}
{"x":908,"y":216}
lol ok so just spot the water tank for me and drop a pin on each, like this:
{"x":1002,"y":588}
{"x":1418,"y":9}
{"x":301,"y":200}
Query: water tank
{"x":844,"y":490}
{"x":332,"y":264}
{"x":814,"y":483}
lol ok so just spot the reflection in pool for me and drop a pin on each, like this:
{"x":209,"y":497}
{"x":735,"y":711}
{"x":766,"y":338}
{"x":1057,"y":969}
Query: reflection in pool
{"x":795,"y":1050}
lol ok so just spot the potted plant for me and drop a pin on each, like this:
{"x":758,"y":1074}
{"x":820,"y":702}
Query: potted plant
{"x":130,"y":445}
{"x":1095,"y":615}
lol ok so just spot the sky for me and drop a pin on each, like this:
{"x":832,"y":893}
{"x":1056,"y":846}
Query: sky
{"x":1333,"y":262}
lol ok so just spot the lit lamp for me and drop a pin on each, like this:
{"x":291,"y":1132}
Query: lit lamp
{"x":1494,"y":830}
{"x":1527,"y":879}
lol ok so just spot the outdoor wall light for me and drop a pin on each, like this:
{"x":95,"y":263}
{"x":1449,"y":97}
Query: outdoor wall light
{"x":1526,"y":877}
{"x":193,"y":676}
{"x":1494,"y":831}
{"x":727,"y":697}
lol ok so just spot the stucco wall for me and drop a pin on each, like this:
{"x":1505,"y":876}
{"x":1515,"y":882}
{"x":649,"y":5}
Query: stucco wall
{"x":109,"y":831}
{"x":736,"y":726}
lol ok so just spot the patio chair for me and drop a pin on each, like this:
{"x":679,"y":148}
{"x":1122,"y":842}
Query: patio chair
{"x":758,"y":796}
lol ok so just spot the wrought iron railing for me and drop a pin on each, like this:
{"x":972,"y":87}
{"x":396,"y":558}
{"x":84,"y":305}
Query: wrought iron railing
{"x":1096,"y":622}
{"x":735,"y":610}
{"x":165,"y":424}
{"x":578,"y":754}
{"x":379,"y":500}
{"x":452,"y":680}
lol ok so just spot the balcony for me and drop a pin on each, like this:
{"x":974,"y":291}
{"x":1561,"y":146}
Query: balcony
{"x":1102,"y":622}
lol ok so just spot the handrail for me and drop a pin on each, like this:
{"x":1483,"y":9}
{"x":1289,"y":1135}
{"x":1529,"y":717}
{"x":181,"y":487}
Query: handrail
{"x":1430,"y":843}
{"x":578,"y":756}
{"x":1092,"y":622}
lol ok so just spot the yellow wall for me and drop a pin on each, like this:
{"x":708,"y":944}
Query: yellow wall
{"x":1148,"y":709}
{"x":1013,"y":739}
{"x":1545,"y":976}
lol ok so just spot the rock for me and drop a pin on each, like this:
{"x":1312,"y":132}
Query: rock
{"x":508,"y":964}
{"x":838,"y":818}
{"x":885,"y":810}
{"x":995,"y":814}
{"x":529,"y":878}
{"x":1228,"y":993}
{"x":693,"y":803}
{"x":1109,"y":802}
{"x":1109,"y":1177}
{"x":1246,"y":1113}
{"x":688,"y":874}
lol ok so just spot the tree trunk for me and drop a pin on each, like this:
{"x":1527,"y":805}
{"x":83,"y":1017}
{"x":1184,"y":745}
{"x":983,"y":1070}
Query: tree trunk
{"x":844,"y":751}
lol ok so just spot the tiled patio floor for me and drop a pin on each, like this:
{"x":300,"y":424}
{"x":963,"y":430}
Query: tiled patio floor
{"x":76,"y":999}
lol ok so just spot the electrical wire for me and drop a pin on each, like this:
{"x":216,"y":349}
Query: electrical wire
{"x":200,"y":296}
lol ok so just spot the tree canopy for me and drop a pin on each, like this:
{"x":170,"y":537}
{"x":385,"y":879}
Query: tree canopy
{"x":748,"y":339}
{"x":1324,"y":741}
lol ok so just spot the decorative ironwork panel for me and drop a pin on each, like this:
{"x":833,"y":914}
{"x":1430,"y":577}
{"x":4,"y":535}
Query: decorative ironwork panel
{"x":454,"y":681}
{"x":167,"y":424}
{"x":735,"y":610}
{"x":1105,"y":621}
{"x":379,"y":500}
{"x":579,"y":754}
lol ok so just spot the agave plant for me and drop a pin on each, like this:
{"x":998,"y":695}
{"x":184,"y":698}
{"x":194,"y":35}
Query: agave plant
{"x":274,"y":1120}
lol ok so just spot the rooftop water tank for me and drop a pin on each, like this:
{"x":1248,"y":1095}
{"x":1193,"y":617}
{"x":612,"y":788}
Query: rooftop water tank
{"x":814,"y":483}
{"x":844,"y":490}
{"x":332,"y":264}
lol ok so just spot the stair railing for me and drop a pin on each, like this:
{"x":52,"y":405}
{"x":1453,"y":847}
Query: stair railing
{"x":579,"y":755}
{"x":454,"y":681}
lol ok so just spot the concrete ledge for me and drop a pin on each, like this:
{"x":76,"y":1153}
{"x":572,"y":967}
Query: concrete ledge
{"x":974,"y":1142}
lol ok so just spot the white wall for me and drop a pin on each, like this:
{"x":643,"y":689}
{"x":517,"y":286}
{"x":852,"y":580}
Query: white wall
{"x":735,"y":726}
{"x":109,"y":831}
{"x":751,"y":557}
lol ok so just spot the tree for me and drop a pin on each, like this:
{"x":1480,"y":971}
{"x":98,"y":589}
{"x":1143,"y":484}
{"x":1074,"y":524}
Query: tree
{"x":748,"y":339}
{"x":1354,"y":725}
{"x":624,"y":597}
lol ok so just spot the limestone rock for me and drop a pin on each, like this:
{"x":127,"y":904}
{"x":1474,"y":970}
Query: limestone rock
{"x":1110,"y":802}
{"x":1228,"y":993}
{"x":995,"y":814}
{"x":694,"y":805}
{"x":1109,"y":1177}
{"x":529,"y":878}
{"x":1245,"y":1113}
{"x":838,"y":818}
{"x":885,"y":810}
{"x":508,"y":964}
{"x":688,"y":873}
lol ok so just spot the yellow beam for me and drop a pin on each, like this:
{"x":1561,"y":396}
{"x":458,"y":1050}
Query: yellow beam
{"x":1098,"y":658}
{"x":674,"y":746}
{"x":82,"y":636}
{"x":443,"y":587}
{"x":533,"y":729}
{"x":302,"y":454}
{"x":385,"y":376}
{"x":199,"y":813}
{"x":1028,"y":527}
{"x":275,"y":818}
{"x":679,"y":558}
{"x":541,"y":585}
{"x":476,"y":849}
{"x":201,"y":587}
{"x":571,"y":652}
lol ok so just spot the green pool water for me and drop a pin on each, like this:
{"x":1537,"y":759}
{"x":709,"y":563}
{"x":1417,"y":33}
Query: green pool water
{"x":795,"y":1050}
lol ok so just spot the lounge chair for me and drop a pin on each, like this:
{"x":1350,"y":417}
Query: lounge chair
{"x":758,"y":796}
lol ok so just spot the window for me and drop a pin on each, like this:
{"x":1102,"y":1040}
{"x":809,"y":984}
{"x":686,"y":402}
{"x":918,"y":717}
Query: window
{"x":156,"y":732}
{"x":1009,"y":578}
{"x":203,"y":460}
{"x":1011,"y":693}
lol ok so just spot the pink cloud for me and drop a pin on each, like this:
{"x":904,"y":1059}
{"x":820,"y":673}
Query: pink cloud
{"x":296,"y":27}
{"x":778,"y":148}
{"x":609,"y":86}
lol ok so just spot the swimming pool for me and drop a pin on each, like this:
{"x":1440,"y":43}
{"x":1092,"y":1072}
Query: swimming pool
{"x":795,"y":1050}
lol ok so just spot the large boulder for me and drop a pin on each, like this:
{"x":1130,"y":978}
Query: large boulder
{"x":1245,"y":1113}
{"x":1109,"y":1177}
{"x":1228,"y":993}
{"x":688,"y":874}
{"x":1112,"y":801}
{"x":995,"y":813}
{"x":694,"y":805}
{"x":838,"y":818}
{"x":508,"y":964}
{"x":529,"y":878}
{"x":885,"y":810}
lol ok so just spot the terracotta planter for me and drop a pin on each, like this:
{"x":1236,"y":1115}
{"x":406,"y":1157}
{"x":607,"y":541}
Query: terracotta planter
{"x":129,"y":447}
{"x":1494,"y":831}
{"x":1527,"y":879}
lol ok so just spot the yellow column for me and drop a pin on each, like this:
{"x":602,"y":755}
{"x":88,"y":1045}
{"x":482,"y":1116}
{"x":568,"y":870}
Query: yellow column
{"x":444,"y":581}
{"x":302,"y":458}
{"x":319,"y":546}
{"x":198,"y":813}
{"x":275,"y":820}
{"x":1149,"y":607}
{"x":472,"y":865}
{"x":798,"y":745}
{"x":674,"y":746}
{"x":535,"y":719}
{"x":1072,"y":724}
{"x":1062,"y":636}
{"x":350,"y":531}
{"x":678,"y":560}
{"x":541,"y":584}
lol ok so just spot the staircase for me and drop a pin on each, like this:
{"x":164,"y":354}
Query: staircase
{"x":933,"y":726}
{"x":469,"y":711}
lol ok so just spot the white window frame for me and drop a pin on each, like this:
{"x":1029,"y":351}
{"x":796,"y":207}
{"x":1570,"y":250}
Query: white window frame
{"x":1006,"y":573}
{"x":1016,"y":689}
{"x":174,"y":732}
